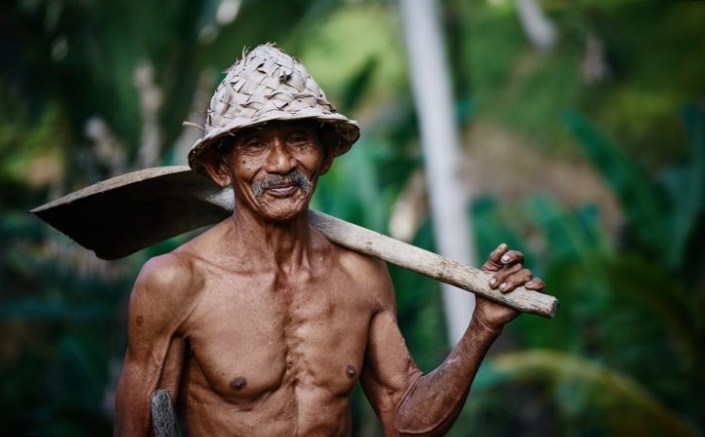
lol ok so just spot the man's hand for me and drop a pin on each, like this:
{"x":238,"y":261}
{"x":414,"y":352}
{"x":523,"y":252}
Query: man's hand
{"x":509,"y":273}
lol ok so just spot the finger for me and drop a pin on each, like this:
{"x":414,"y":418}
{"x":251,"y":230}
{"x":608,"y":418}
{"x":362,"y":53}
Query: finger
{"x":512,"y":257}
{"x":501,"y":276}
{"x":536,"y":284}
{"x":494,"y":262}
{"x":516,"y":279}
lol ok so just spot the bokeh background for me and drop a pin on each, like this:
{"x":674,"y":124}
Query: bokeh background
{"x":585,"y":148}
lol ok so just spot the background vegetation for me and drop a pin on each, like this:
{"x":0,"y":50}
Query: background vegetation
{"x":589,"y":157}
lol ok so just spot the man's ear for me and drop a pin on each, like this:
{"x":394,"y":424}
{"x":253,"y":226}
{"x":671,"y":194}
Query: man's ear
{"x":214,"y":165}
{"x":327,"y":161}
{"x":328,"y":142}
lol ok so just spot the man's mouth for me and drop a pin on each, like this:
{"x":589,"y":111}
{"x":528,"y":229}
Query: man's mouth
{"x":282,"y":190}
{"x":282,"y":185}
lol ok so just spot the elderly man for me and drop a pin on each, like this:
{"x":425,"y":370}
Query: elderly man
{"x":260,"y":325}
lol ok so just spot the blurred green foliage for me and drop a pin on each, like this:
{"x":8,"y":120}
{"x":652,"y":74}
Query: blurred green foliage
{"x":627,"y":357}
{"x":624,"y":354}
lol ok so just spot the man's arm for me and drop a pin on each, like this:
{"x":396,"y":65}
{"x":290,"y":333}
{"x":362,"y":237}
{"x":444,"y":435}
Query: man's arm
{"x":411,"y":403}
{"x":158,"y":305}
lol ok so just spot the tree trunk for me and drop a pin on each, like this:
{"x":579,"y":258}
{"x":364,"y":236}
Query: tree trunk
{"x":538,"y":28}
{"x":430,"y":80}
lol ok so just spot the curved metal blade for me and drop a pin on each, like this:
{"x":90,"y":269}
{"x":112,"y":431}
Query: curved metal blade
{"x":119,"y":216}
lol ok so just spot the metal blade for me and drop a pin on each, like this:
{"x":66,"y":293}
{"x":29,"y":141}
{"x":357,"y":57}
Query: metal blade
{"x":119,"y":216}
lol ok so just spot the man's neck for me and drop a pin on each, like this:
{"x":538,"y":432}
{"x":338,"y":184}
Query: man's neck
{"x":284,"y":245}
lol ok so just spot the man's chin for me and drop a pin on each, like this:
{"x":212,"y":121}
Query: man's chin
{"x":279,"y":212}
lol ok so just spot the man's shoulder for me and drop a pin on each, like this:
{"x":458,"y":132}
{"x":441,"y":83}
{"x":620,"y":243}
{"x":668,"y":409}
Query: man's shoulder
{"x":165,"y":290}
{"x":173,"y":273}
{"x":188,"y":265}
{"x":366,"y":270}
{"x":360,"y":262}
{"x":168,"y":267}
{"x":348,"y":258}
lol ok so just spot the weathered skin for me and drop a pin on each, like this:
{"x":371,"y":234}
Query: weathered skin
{"x":261,"y":326}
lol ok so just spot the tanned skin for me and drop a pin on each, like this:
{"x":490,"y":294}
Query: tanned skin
{"x":262,"y":327}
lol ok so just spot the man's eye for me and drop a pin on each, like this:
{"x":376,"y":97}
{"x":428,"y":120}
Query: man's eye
{"x":299,"y":140}
{"x":254,"y":144}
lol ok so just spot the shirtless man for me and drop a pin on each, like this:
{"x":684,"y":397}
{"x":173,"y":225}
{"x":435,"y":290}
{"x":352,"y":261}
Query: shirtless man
{"x":261,"y":326}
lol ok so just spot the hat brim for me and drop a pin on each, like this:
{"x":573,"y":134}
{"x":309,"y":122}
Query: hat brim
{"x":346,"y":130}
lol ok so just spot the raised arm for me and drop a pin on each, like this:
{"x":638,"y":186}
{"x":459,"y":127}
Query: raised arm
{"x":409,"y":402}
{"x":158,"y":305}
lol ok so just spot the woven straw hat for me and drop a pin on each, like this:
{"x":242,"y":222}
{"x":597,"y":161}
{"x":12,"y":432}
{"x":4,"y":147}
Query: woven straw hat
{"x":268,"y":84}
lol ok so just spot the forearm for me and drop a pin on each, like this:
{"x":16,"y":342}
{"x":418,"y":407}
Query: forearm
{"x":433,"y":401}
{"x":132,"y":404}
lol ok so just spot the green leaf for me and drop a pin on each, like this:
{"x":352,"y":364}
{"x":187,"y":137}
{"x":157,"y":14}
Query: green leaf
{"x":686,"y":186}
{"x":643,"y":202}
{"x":587,"y":386}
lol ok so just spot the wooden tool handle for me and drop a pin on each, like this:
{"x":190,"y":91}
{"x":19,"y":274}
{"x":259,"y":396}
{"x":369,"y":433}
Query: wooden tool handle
{"x":127,"y":213}
{"x":429,"y":264}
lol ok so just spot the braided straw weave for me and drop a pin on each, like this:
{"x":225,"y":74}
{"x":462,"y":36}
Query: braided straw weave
{"x":268,"y":84}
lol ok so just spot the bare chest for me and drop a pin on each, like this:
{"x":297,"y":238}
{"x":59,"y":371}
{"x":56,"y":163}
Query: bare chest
{"x":253,"y":336}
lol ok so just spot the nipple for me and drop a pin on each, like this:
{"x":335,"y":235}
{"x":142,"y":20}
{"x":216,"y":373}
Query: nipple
{"x":350,"y":371}
{"x":238,"y":383}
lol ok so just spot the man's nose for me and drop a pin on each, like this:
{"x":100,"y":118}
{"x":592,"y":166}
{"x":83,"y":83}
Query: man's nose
{"x":279,"y":159}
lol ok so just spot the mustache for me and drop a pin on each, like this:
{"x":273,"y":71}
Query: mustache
{"x":294,"y":177}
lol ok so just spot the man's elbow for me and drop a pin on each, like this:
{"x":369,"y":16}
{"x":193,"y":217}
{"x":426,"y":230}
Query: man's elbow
{"x":433,"y":418}
{"x":420,"y":426}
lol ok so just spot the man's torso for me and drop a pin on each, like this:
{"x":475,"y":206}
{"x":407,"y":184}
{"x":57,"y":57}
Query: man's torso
{"x":276,"y":352}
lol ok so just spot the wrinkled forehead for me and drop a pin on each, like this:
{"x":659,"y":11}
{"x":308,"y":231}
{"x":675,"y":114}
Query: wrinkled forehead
{"x":277,"y":127}
{"x":282,"y":126}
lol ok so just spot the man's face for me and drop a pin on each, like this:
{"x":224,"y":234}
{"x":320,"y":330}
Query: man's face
{"x":275,"y":168}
